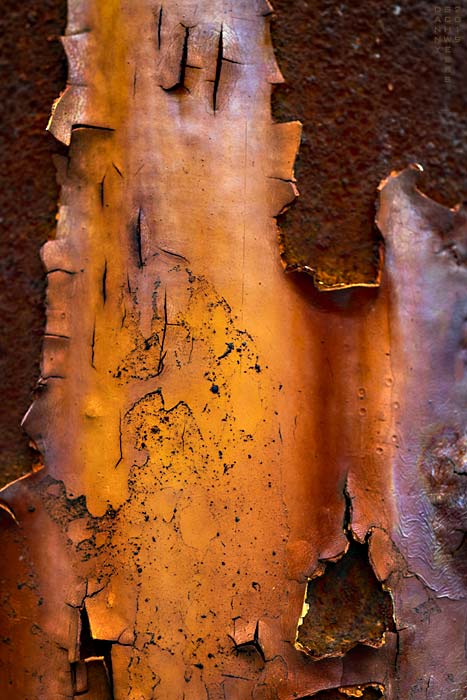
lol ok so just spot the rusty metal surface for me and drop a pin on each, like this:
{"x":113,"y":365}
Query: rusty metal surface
{"x":367,"y":81}
{"x":167,"y":402}
{"x":346,"y":606}
{"x":138,"y":528}
{"x":364,"y":78}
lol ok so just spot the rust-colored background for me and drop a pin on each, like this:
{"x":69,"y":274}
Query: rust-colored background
{"x":33,"y":73}
{"x":364,"y":78}
{"x":367,"y":81}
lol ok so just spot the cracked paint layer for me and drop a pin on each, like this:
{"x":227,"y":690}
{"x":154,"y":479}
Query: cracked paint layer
{"x":164,"y":407}
{"x":345,"y":604}
{"x":198,"y":468}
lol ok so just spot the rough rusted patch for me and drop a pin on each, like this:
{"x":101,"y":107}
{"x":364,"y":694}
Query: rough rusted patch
{"x":346,"y":606}
{"x":33,"y":71}
{"x":367,"y":82}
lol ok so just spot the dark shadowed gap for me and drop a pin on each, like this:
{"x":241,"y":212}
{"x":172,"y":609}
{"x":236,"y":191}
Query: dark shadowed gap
{"x":96,"y":655}
{"x":364,"y":693}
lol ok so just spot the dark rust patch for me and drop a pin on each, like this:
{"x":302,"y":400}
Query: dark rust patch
{"x":367,"y":82}
{"x":347,"y":606}
{"x":33,"y":74}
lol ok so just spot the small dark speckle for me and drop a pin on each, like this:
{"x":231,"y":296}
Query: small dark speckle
{"x":230,"y":347}
{"x":31,"y":509}
{"x":257,"y":367}
{"x":214,"y":388}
